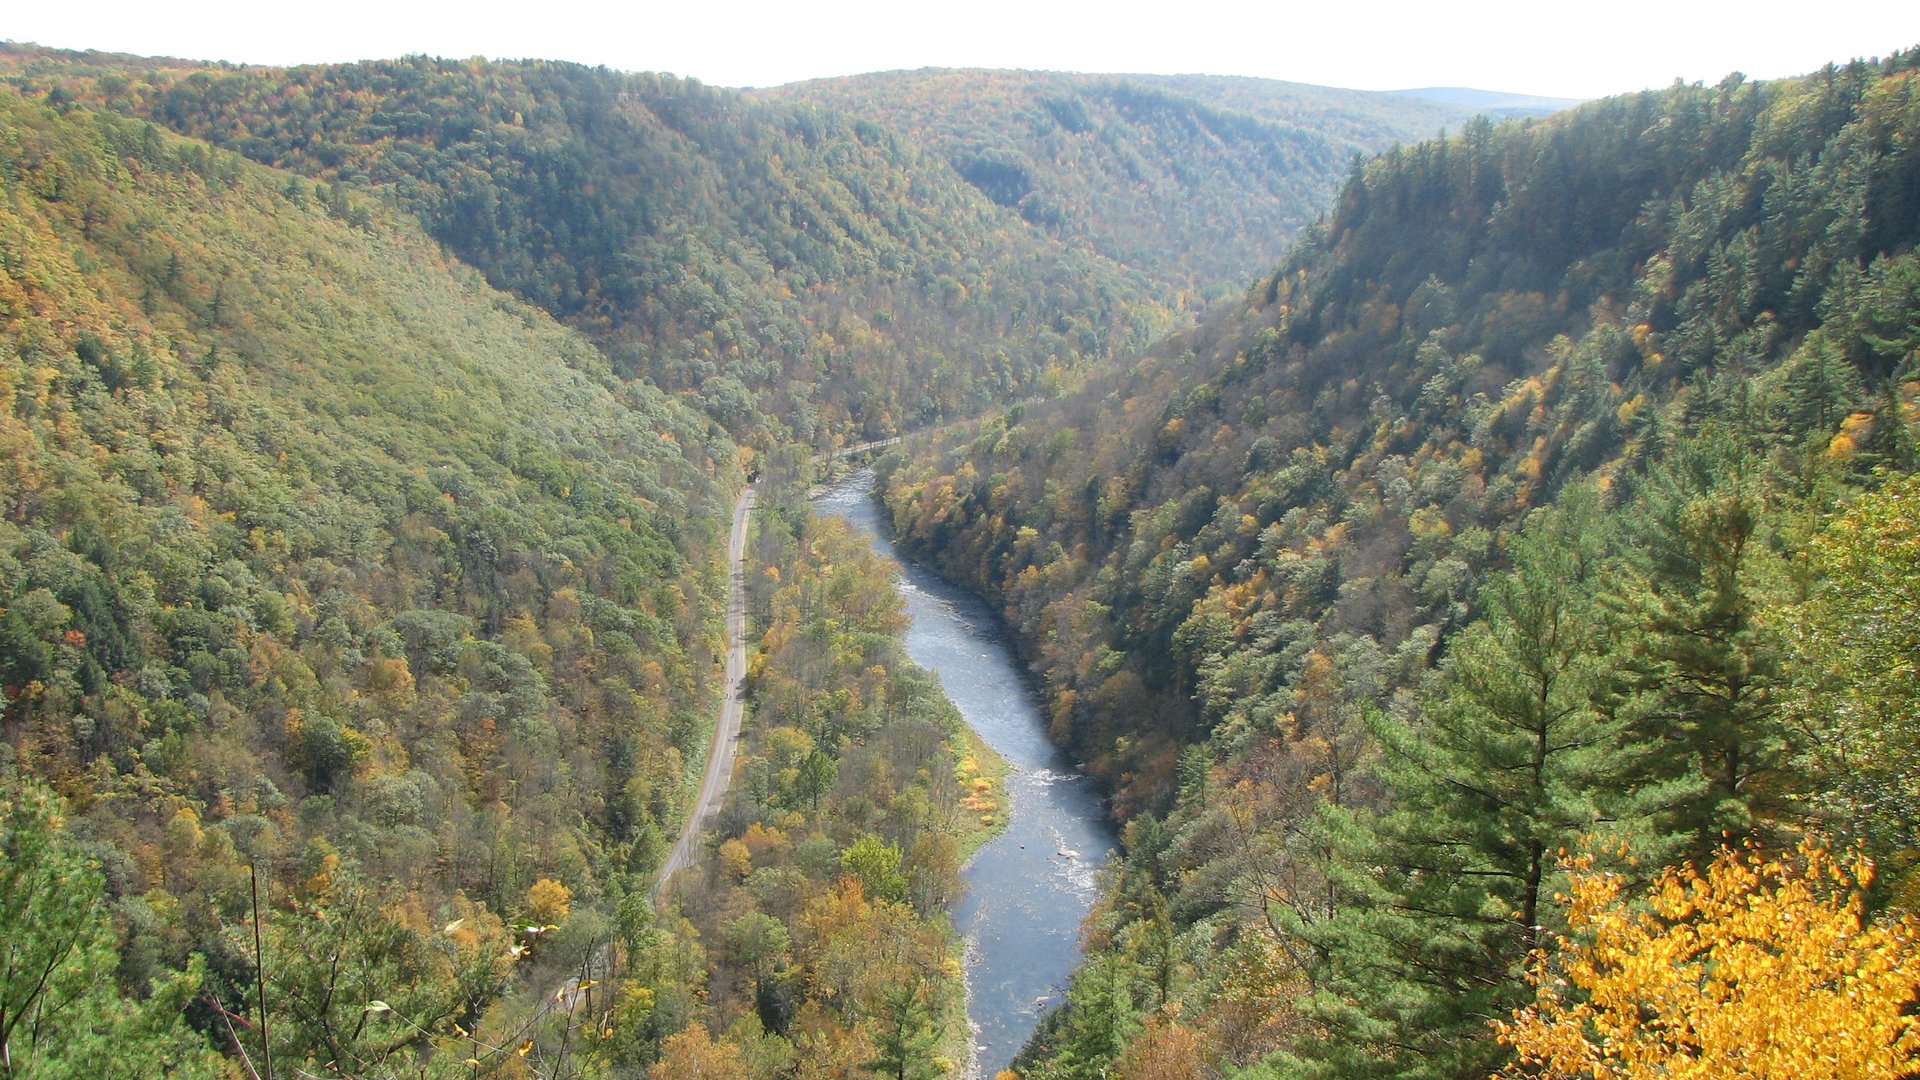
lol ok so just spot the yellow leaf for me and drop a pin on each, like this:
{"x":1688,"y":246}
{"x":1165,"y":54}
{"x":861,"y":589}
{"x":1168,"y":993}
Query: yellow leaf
{"x":1758,"y":967}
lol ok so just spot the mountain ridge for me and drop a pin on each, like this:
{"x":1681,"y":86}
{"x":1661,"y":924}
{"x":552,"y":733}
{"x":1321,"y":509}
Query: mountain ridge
{"x":1197,"y":181}
{"x":727,"y":250}
{"x":1499,"y":103}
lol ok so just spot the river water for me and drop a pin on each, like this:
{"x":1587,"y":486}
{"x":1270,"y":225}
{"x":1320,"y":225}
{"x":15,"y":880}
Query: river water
{"x":1028,"y":888}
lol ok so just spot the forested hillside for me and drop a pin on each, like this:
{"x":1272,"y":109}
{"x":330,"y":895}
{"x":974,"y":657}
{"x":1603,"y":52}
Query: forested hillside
{"x":784,"y":265}
{"x":1440,"y":615}
{"x":1199,"y":182}
{"x":357,"y":619}
{"x":321,"y":557}
{"x":1551,"y":495}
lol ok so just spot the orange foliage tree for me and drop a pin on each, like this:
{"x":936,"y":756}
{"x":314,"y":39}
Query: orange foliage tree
{"x":1761,"y":967}
{"x":548,"y":901}
{"x":694,"y":1055}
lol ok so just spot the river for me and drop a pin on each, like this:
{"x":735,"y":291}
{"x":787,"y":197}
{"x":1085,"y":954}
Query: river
{"x":1028,"y":888}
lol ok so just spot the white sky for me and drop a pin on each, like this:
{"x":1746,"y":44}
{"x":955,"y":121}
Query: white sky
{"x":1538,"y":47}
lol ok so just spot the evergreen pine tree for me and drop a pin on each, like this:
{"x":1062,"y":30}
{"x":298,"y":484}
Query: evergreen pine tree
{"x":1704,"y":569}
{"x":1522,"y":750}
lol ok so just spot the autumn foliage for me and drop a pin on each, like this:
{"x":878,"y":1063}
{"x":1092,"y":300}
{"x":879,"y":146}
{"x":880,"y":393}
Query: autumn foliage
{"x":1760,"y":967}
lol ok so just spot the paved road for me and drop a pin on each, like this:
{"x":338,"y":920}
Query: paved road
{"x":726,"y":732}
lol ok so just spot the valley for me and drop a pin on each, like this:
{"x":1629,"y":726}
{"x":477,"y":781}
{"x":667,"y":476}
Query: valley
{"x":1346,"y":581}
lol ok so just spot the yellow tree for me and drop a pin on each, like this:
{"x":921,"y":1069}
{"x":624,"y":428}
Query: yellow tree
{"x":1760,"y":968}
{"x":1166,"y":1050}
{"x":549,"y":902}
{"x":694,"y":1055}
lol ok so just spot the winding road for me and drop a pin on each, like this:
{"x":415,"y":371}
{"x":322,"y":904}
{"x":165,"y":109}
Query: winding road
{"x":726,"y":732}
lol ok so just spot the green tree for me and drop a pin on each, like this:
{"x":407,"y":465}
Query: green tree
{"x":1855,"y":647}
{"x":356,"y":985}
{"x":1706,"y":573}
{"x":877,"y":864}
{"x":1819,"y":390}
{"x":61,"y":1012}
{"x":1101,"y":1014}
{"x":904,"y":1033}
{"x":1522,"y":748}
{"x":758,"y":944}
{"x":815,"y":777}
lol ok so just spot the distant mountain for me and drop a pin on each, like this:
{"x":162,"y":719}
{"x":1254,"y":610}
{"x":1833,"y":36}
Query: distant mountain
{"x":1369,"y":120}
{"x":850,"y":257}
{"x":1198,"y":182}
{"x":1492,"y":102}
{"x":801,"y":273}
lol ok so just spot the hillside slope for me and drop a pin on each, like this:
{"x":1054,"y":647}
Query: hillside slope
{"x":1562,"y":398}
{"x":320,"y":556}
{"x":1420,"y":326}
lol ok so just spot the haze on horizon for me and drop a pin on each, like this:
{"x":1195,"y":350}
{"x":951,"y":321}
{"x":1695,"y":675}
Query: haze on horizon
{"x":1508,"y":45}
